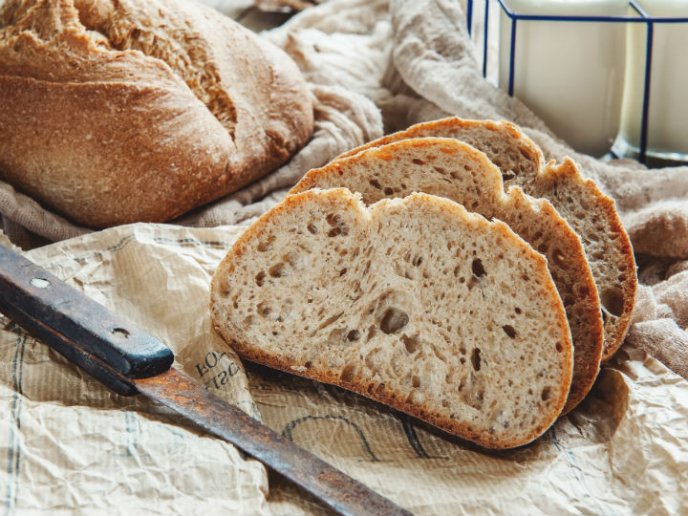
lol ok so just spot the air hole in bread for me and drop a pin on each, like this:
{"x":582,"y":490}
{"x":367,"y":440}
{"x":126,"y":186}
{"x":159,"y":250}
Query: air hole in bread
{"x":266,"y":244}
{"x":508,"y":176}
{"x":330,"y":320}
{"x":375,"y":184}
{"x":418,"y":161}
{"x":353,"y":335}
{"x":415,"y":381}
{"x":338,"y":226}
{"x":509,"y":330}
{"x":477,"y":268}
{"x":546,"y":392}
{"x":277,"y":270}
{"x":347,"y":374}
{"x":342,"y":272}
{"x":388,"y":191}
{"x":259,"y":278}
{"x":612,"y":301}
{"x":411,"y":343}
{"x":393,"y":320}
{"x":475,"y":359}
{"x":372,"y":330}
{"x":264,"y":310}
{"x":336,"y":336}
{"x":559,"y":347}
{"x":312,"y":229}
{"x":518,"y":310}
{"x":417,"y":261}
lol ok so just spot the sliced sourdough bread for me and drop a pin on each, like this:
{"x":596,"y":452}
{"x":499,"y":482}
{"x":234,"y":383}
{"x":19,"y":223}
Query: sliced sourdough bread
{"x":590,"y":213}
{"x":452,"y":169}
{"x":415,"y":303}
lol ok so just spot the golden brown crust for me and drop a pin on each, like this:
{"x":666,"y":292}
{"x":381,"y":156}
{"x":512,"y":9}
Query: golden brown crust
{"x":377,"y":391}
{"x":533,"y":178}
{"x":568,"y":174}
{"x":556,"y":240}
{"x":107,"y":129}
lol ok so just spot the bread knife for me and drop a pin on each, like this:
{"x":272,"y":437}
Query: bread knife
{"x":130,"y":361}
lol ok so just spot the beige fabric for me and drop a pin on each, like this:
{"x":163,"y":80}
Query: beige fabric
{"x":68,"y":445}
{"x":62,"y":447}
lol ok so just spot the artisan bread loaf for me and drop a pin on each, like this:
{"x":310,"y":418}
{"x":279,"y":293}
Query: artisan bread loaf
{"x":455,"y":170}
{"x":590,"y":213}
{"x":415,"y":303}
{"x":114,"y":112}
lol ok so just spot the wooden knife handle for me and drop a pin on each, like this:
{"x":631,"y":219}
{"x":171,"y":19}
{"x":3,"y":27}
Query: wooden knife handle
{"x":108,"y":347}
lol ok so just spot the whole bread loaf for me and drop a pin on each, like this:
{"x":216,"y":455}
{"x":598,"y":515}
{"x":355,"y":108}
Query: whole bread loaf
{"x":122,"y":111}
{"x":416,"y":303}
{"x":456,"y":170}
{"x":590,"y":213}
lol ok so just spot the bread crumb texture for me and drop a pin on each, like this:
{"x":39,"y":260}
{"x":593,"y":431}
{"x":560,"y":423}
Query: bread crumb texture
{"x":590,"y":212}
{"x":415,"y":303}
{"x":467,"y":176}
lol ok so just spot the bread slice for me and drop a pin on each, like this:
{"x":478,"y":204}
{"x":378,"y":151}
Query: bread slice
{"x":452,"y":169}
{"x":590,"y":213}
{"x":415,"y":303}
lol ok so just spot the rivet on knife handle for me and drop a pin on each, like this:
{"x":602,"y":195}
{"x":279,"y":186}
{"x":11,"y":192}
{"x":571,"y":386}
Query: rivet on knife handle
{"x":106,"y":346}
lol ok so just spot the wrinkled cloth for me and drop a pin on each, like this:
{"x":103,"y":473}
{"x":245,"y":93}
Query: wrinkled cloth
{"x":67,"y":444}
{"x":373,"y":66}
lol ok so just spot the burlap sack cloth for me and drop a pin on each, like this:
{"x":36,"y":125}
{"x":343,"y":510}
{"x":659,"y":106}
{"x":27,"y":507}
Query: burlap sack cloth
{"x":67,"y":444}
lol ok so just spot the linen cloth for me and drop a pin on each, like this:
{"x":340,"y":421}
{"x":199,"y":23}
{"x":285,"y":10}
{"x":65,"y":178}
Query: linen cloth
{"x":372,"y":67}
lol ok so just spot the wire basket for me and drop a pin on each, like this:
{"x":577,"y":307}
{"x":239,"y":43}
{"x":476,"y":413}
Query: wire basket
{"x":637,"y":15}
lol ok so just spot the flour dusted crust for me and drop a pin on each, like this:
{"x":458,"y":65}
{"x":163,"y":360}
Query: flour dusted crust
{"x":452,"y":169}
{"x":409,"y":302}
{"x":114,"y":112}
{"x":591,"y":213}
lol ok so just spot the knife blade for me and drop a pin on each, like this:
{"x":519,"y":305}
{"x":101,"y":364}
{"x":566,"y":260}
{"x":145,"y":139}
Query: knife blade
{"x":130,"y":361}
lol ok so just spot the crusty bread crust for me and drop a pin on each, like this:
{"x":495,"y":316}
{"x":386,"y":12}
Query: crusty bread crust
{"x":605,"y":240}
{"x":450,"y":168}
{"x":241,"y":262}
{"x":598,"y":224}
{"x":116,"y":112}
